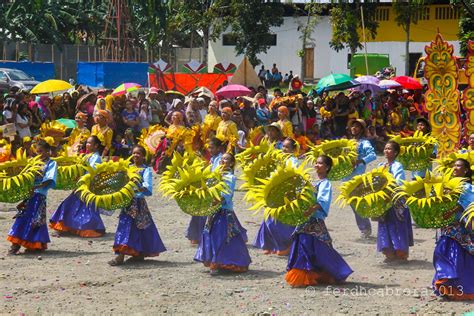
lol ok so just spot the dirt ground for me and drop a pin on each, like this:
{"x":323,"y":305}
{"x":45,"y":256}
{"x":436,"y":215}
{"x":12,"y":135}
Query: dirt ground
{"x":73,"y":277}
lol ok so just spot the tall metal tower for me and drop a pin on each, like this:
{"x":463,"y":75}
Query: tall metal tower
{"x":118,"y":42}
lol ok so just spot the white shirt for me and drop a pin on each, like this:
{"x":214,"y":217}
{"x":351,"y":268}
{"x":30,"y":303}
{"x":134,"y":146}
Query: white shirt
{"x":22,"y":132}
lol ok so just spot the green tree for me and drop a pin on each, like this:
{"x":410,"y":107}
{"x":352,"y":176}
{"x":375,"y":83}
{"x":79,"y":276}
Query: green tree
{"x":466,"y":23}
{"x":408,"y":12}
{"x":250,"y":22}
{"x":346,"y":20}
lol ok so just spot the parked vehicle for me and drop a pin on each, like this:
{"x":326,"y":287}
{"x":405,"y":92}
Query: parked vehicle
{"x":10,"y":78}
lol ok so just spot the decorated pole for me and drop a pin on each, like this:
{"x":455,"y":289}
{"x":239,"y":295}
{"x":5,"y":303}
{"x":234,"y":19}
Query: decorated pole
{"x":442,"y":97}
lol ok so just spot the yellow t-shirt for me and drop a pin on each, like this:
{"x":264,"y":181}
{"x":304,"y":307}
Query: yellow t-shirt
{"x":105,"y":134}
{"x":286,"y":128}
{"x":212,"y":121}
{"x":227,"y":131}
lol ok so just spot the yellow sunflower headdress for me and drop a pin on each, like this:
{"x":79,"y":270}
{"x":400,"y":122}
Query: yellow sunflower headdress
{"x":343,"y":153}
{"x":370,"y":194}
{"x":285,"y":195}
{"x":196,"y":190}
{"x":151,"y":137}
{"x":111,"y":185}
{"x":17,"y":177}
{"x":53,"y":129}
{"x":415,"y":151}
{"x":431,"y":199}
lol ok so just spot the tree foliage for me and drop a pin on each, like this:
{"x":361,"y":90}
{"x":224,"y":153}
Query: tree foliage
{"x":466,"y":23}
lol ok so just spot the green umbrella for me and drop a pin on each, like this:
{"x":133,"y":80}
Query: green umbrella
{"x":67,"y":122}
{"x":332,"y":80}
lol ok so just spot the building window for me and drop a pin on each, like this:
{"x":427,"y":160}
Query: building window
{"x":382,"y":14}
{"x":447,"y":13}
{"x":424,"y":14}
{"x":231,"y":40}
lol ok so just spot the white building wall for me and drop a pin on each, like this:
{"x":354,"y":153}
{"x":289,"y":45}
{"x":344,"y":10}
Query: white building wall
{"x":326,"y":60}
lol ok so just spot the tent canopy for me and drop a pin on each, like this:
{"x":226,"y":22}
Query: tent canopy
{"x":245,"y":75}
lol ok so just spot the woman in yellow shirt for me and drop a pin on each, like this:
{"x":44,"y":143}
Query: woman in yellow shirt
{"x":102,"y":130}
{"x":79,"y":135}
{"x":211,"y":122}
{"x":227,"y":129}
{"x":285,"y":124}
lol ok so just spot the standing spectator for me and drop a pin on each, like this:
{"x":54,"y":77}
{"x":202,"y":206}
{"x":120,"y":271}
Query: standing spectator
{"x":144,"y":114}
{"x":36,"y":120}
{"x":290,"y":76}
{"x":130,"y":116}
{"x":193,"y":117}
{"x":263,"y":114}
{"x":285,"y":79}
{"x":23,"y":121}
{"x":309,"y":115}
{"x":275,"y":70}
{"x":261,"y":74}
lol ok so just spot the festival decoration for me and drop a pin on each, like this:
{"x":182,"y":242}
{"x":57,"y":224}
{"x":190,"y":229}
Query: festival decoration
{"x":468,"y":217}
{"x":369,"y":194}
{"x":194,"y":67}
{"x":151,"y":137}
{"x":285,"y":195}
{"x":343,"y":153}
{"x":111,"y":185}
{"x":53,"y":129}
{"x":442,"y":97}
{"x":177,"y":162}
{"x":17,"y":177}
{"x":431,"y":200}
{"x":261,"y":168}
{"x":70,"y":170}
{"x":5,"y":150}
{"x":197,"y":191}
{"x":248,"y":156}
{"x":415,"y":151}
{"x":224,"y":68}
{"x":468,"y":95}
{"x":289,"y":101}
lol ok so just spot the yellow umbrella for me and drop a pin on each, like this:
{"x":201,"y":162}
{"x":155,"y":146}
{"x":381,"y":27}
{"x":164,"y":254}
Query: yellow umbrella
{"x":50,"y":86}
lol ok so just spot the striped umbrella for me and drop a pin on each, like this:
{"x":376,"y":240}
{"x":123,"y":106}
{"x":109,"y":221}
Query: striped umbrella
{"x":126,"y":87}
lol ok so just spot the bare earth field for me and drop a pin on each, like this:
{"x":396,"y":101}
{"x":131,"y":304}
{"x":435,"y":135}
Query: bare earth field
{"x":73,"y":277}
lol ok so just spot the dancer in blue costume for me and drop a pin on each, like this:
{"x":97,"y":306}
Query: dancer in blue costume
{"x":29,"y":229}
{"x":312,"y":259}
{"x":75,"y":216}
{"x":395,"y":234}
{"x":222,"y":245}
{"x":196,"y":225}
{"x":365,"y":154}
{"x":453,"y":257}
{"x":274,"y":236}
{"x":423,"y":126}
{"x":137,"y":235}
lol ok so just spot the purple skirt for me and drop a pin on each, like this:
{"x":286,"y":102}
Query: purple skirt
{"x":311,"y":254}
{"x":76,"y":214}
{"x":30,"y":224}
{"x":223,"y":242}
{"x":131,"y":240}
{"x":394,"y":234}
{"x":273,"y":235}
{"x":454,"y":263}
{"x":195,"y":227}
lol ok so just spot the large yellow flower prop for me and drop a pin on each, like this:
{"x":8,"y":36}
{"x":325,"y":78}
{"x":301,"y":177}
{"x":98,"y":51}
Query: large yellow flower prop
{"x":415,"y":151}
{"x":17,"y":177}
{"x":370,"y":194}
{"x":343,"y":153}
{"x":53,"y":129}
{"x":285,"y":195}
{"x":468,"y":217}
{"x":446,"y":164}
{"x":196,"y":190}
{"x":151,"y":137}
{"x":184,"y":136}
{"x":255,"y":136}
{"x":251,"y":153}
{"x":431,"y":199}
{"x":172,"y":170}
{"x":261,"y":168}
{"x":70,"y":170}
{"x":111,"y":185}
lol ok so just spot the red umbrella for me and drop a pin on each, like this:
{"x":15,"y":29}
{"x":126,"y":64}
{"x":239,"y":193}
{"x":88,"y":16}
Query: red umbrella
{"x":408,"y":83}
{"x":233,"y":91}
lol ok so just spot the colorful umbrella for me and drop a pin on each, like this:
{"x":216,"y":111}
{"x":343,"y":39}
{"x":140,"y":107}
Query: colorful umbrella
{"x":52,"y":85}
{"x":368,"y":83}
{"x":176,"y":93}
{"x":408,"y":82}
{"x":332,"y":80}
{"x":389,"y":84}
{"x":233,"y":91}
{"x":126,"y":87}
{"x":67,"y":122}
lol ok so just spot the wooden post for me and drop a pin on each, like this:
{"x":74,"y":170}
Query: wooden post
{"x":61,"y":65}
{"x":365,"y":42}
{"x":88,"y":54}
